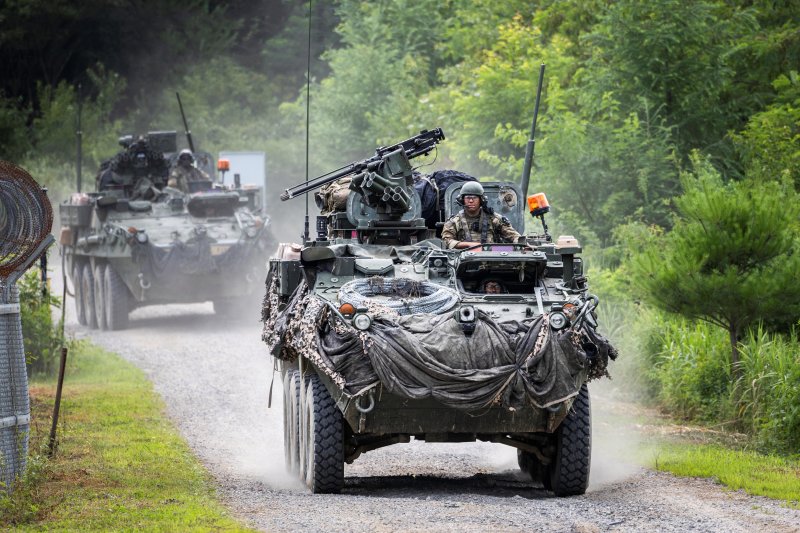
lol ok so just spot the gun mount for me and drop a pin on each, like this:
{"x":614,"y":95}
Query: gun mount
{"x":383,"y":205}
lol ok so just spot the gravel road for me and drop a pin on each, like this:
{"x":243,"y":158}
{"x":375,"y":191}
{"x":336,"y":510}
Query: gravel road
{"x":214,"y":376}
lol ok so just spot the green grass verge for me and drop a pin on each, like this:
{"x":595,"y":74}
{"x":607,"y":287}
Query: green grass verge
{"x":756,"y":474}
{"x":120,"y":464}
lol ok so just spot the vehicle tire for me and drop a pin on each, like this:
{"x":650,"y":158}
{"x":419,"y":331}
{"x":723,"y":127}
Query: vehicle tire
{"x":324,"y":440}
{"x":87,"y":289}
{"x":531,"y":465}
{"x":569,"y":471}
{"x":77,"y":286}
{"x":100,"y":295}
{"x":116,"y":300}
{"x":291,"y":420}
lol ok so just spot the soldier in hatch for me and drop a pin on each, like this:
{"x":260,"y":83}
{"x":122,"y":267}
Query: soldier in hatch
{"x":476,"y":223}
{"x":185,"y":174}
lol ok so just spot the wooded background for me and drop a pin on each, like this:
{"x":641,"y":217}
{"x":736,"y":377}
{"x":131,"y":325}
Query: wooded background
{"x":668,"y":142}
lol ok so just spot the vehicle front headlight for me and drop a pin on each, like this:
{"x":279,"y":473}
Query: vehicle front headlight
{"x":558,"y":320}
{"x":362,"y":321}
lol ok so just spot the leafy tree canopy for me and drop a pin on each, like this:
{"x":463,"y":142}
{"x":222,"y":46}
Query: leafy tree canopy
{"x":731,"y":258}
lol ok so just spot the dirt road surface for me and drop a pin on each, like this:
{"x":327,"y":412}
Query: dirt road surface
{"x":214,"y":376}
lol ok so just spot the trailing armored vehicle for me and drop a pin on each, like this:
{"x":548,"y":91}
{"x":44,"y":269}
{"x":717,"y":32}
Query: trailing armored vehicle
{"x":136,"y":241}
{"x":383,"y":334}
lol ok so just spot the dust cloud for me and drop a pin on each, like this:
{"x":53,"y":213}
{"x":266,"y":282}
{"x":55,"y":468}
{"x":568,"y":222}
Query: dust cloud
{"x":616,"y":439}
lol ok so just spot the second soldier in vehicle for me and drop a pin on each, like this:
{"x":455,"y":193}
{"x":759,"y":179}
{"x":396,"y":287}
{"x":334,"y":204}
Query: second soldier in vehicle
{"x":185,"y":177}
{"x":476,"y":223}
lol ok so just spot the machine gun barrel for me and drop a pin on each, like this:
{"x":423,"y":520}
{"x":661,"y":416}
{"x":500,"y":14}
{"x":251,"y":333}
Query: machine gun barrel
{"x":413,"y":147}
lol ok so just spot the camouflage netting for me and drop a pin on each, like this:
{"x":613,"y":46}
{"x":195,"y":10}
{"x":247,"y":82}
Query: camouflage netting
{"x":191,"y":257}
{"x":417,"y":356}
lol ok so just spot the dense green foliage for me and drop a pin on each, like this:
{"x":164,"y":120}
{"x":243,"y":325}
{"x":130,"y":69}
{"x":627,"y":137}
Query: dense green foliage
{"x":42,"y":337}
{"x":654,"y":114}
{"x":730,"y":258}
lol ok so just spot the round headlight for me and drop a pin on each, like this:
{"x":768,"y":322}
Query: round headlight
{"x":557,"y":320}
{"x":362,"y":321}
{"x":141,"y":236}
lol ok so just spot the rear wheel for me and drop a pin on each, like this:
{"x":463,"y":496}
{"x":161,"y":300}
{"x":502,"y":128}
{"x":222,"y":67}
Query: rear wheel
{"x":532,"y":465}
{"x":116,"y":299}
{"x":323,"y":443}
{"x":87,"y":291}
{"x":569,"y":471}
{"x":291,"y":421}
{"x":77,"y":285}
{"x":99,"y":295}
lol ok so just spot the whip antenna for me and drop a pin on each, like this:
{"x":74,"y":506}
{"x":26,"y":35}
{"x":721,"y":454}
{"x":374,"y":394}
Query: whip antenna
{"x":526,"y":170}
{"x":308,"y":110}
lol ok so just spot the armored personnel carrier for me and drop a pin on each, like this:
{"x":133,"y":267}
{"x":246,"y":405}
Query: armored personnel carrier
{"x":135,"y":241}
{"x":382,"y":334}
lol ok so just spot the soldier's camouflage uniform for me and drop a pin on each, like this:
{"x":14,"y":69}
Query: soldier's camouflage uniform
{"x":461,"y":227}
{"x":180,"y":177}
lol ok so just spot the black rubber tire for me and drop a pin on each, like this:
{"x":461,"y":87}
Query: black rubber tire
{"x":569,"y":471}
{"x":77,"y":286}
{"x":531,"y":465}
{"x":87,"y":290}
{"x":116,"y":300}
{"x":100,"y":295}
{"x":291,"y":420}
{"x":324,"y":440}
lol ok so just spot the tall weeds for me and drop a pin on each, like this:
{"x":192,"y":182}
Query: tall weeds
{"x":688,"y":367}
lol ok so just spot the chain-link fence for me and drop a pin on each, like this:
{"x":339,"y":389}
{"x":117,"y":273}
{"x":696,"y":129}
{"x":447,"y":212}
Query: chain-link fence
{"x":26,"y":218}
{"x":14,"y":403}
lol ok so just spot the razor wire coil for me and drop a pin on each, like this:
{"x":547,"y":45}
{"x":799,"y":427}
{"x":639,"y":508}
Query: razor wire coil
{"x":26,"y":217}
{"x":402,"y":295}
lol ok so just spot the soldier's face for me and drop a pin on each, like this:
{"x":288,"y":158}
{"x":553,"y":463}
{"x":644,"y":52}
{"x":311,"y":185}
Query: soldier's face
{"x":492,"y":287}
{"x":472,"y":203}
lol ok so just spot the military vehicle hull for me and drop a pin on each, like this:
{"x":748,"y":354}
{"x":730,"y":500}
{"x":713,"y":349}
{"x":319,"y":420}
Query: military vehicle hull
{"x":426,"y":392}
{"x":384,"y":334}
{"x":121,"y":255}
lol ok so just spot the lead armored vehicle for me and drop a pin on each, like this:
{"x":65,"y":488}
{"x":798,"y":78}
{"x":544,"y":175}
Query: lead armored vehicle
{"x":135,"y":241}
{"x":383,"y":335}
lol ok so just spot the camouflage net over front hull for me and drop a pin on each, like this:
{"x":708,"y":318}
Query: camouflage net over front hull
{"x":191,"y":257}
{"x":508,"y":364}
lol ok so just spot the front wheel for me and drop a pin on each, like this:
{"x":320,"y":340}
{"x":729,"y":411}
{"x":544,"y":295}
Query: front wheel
{"x":323,"y":442}
{"x":116,"y":299}
{"x":569,"y":471}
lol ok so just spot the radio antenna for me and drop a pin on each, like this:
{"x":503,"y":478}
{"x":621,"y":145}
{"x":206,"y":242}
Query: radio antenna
{"x":308,"y":110}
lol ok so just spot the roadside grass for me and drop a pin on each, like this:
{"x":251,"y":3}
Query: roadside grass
{"x":756,"y":474}
{"x":120,"y":465}
{"x":629,"y":433}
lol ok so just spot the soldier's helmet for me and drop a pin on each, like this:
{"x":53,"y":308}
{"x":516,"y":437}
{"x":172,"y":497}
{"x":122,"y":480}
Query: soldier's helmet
{"x":471,"y":188}
{"x":139,"y":154}
{"x":186,"y":156}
